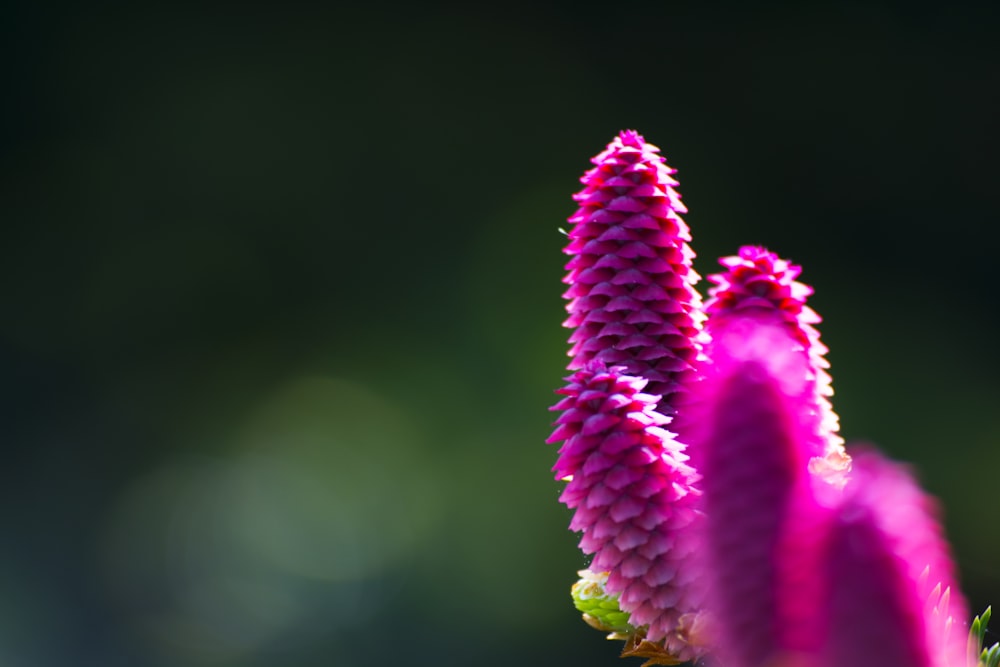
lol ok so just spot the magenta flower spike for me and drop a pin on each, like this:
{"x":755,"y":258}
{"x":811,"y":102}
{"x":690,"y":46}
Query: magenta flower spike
{"x":895,"y":600}
{"x":751,"y":422}
{"x":769,"y":546}
{"x":759,"y":283}
{"x":631,"y":291}
{"x":634,"y":499}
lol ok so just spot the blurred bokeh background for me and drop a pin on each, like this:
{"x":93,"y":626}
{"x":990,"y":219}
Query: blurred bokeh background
{"x":281,"y":305}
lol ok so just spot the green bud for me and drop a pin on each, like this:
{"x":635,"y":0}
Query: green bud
{"x":600,"y":610}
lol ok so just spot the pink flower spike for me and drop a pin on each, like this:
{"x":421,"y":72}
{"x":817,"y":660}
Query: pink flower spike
{"x":634,"y":499}
{"x":631,"y":291}
{"x":896,"y":597}
{"x":760,"y":284}
{"x":750,"y":420}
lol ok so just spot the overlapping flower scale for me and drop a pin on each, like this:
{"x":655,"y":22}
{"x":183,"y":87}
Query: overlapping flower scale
{"x":750,"y":423}
{"x":634,"y":498}
{"x":759,"y":283}
{"x":896,"y":600}
{"x":631,"y":291}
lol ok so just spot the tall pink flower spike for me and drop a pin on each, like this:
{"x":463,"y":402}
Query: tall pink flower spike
{"x":632,"y":300}
{"x":634,"y":497}
{"x":895,"y":601}
{"x":752,"y":424}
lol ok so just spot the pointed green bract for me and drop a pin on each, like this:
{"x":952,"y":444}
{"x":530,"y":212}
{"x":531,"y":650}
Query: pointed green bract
{"x":988,"y":657}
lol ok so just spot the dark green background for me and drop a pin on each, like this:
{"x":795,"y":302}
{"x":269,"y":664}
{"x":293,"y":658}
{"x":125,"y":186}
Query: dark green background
{"x":281,"y":303}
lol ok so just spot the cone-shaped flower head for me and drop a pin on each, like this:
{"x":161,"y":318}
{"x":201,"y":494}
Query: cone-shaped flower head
{"x":752,"y":423}
{"x":631,"y":296}
{"x":758,"y":283}
{"x":896,"y":595}
{"x":634,"y":498}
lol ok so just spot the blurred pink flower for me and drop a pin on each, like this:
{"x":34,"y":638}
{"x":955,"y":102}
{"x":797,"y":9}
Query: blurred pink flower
{"x":895,"y":599}
{"x":634,"y":498}
{"x":751,"y":422}
{"x":632,"y":300}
